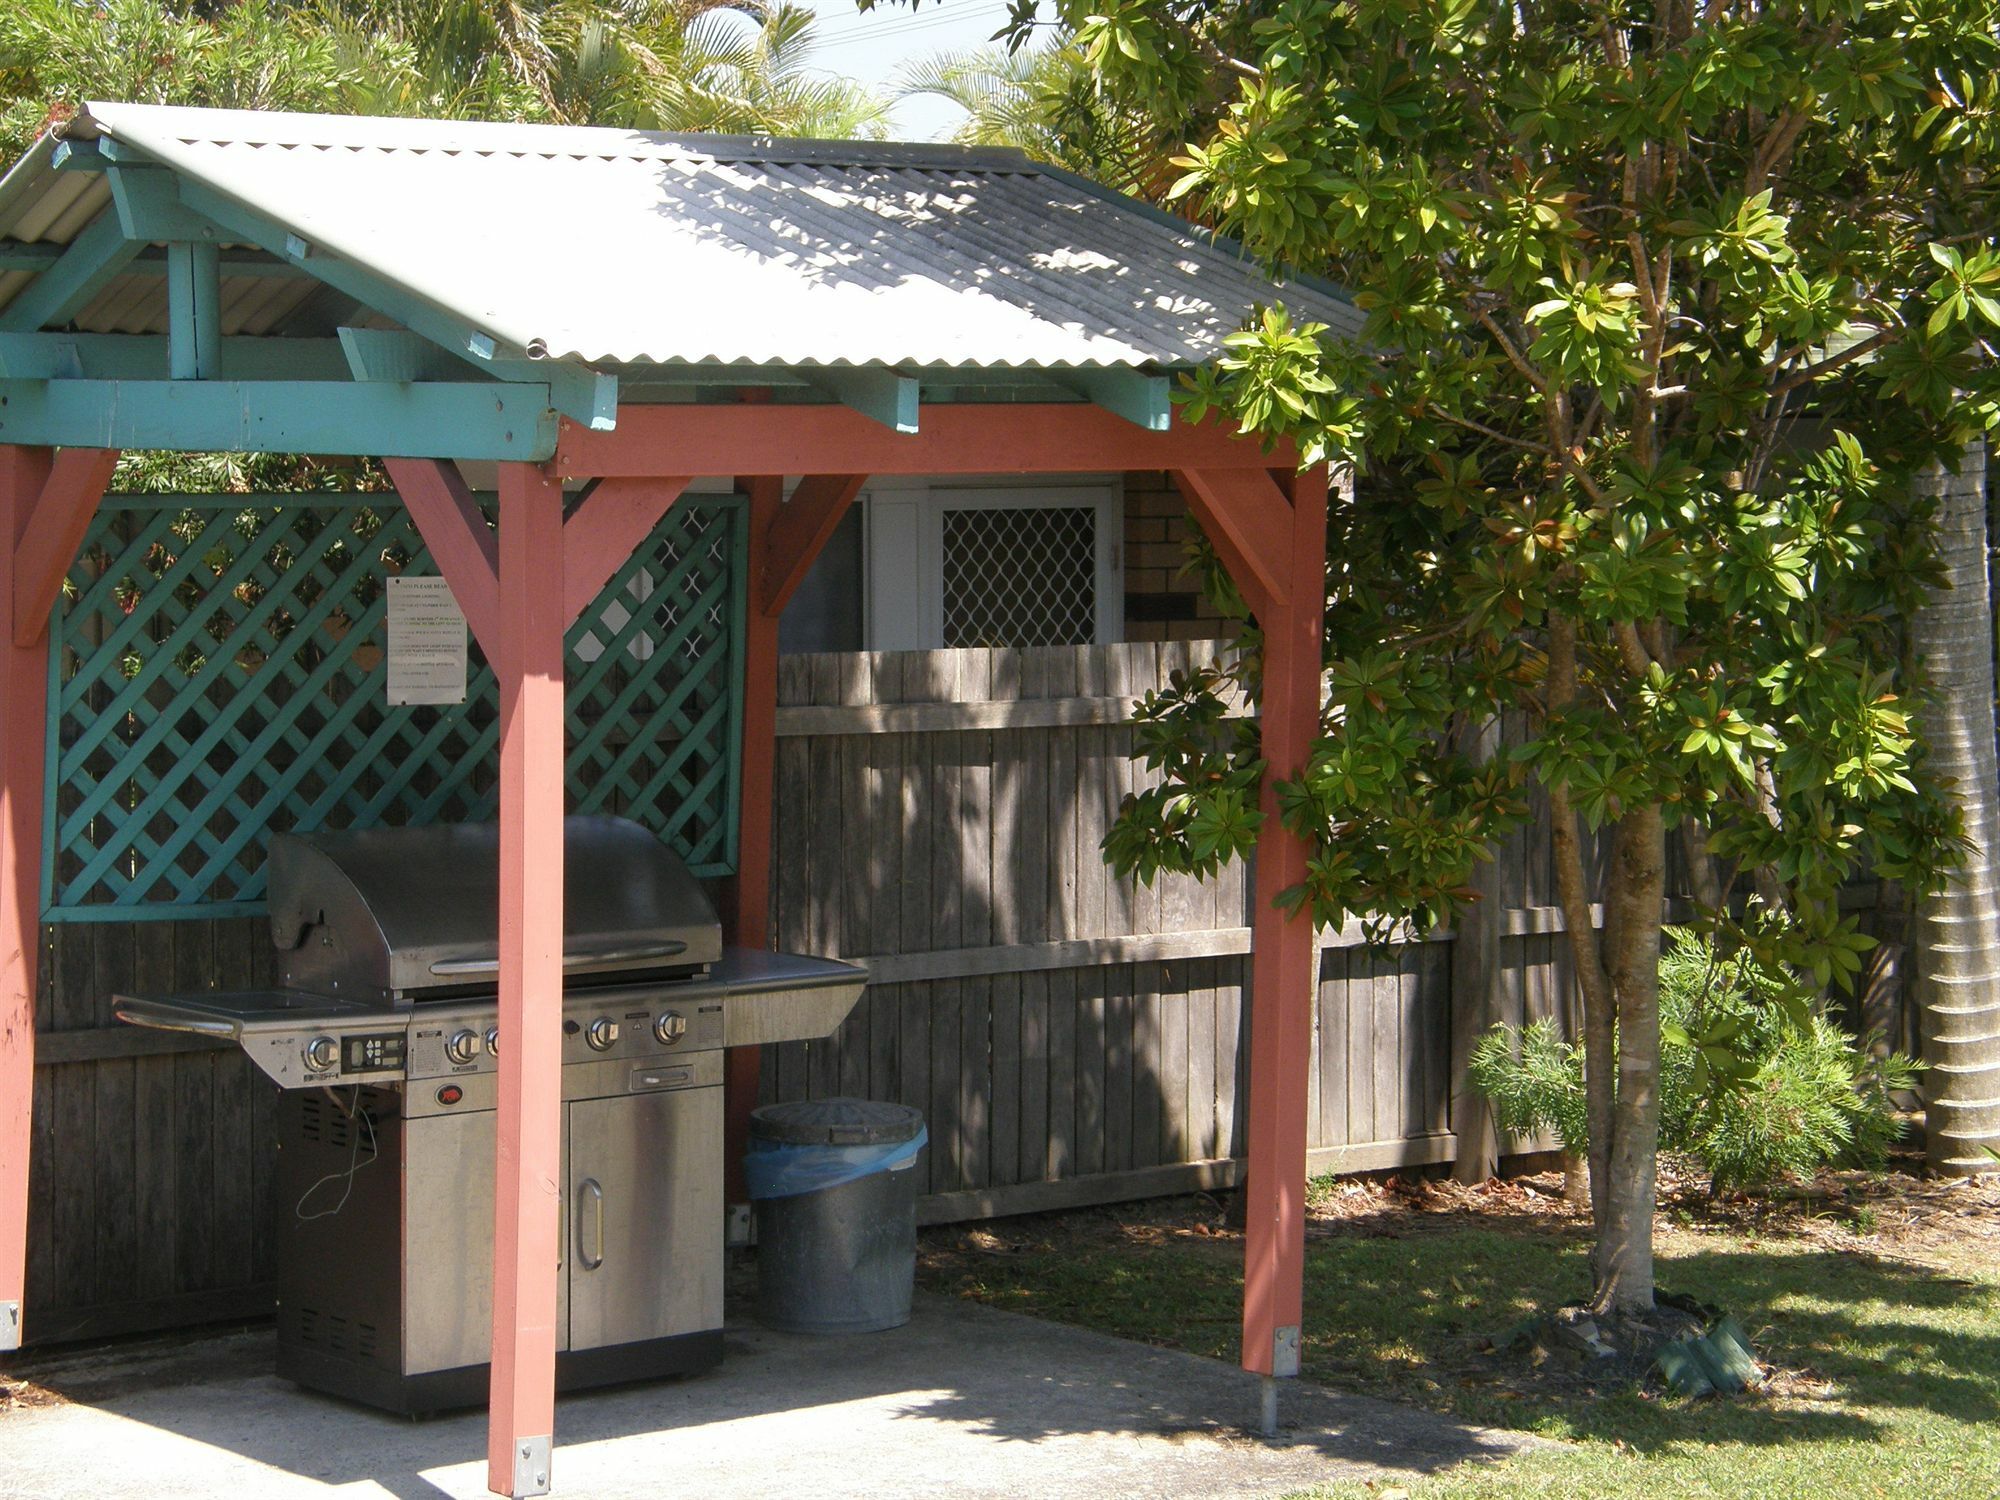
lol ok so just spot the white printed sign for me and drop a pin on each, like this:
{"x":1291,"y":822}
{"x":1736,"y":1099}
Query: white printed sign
{"x":426,"y":642}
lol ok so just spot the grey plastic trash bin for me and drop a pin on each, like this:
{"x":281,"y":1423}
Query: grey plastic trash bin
{"x":836,"y":1203}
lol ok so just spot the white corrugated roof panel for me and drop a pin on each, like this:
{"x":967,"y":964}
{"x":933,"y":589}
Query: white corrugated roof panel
{"x":625,"y":248}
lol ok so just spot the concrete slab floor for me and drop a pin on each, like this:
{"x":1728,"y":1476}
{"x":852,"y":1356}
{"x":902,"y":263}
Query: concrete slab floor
{"x":965,"y":1401}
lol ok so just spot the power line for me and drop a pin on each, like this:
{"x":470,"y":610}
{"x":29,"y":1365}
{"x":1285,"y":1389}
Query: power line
{"x":872,"y":26}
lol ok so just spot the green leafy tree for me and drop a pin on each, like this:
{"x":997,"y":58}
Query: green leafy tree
{"x":1666,"y":305}
{"x":1043,"y":100}
{"x":694,"y":66}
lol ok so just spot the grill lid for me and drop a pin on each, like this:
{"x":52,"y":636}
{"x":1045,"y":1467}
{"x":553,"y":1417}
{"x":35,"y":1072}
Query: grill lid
{"x":405,"y":913}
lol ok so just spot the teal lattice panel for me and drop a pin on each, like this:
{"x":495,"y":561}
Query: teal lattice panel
{"x":219,"y":676}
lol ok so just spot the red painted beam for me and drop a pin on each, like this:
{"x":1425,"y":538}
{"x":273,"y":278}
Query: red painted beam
{"x":461,"y":543}
{"x":1284,"y":961}
{"x":750,"y":917}
{"x":52,"y":533}
{"x":602,"y":533}
{"x":1244,"y":512}
{"x":798,"y":531}
{"x":24,"y":680}
{"x":527,"y":1197}
{"x":997,"y":438}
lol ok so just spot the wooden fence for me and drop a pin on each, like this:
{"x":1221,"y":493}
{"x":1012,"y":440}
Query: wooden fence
{"x":1070,"y":1037}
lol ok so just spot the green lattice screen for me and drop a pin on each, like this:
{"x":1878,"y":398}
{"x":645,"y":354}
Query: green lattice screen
{"x":219,"y":676}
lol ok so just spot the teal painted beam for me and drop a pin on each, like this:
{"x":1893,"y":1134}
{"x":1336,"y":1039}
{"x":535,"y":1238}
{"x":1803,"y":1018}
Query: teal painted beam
{"x":20,"y":255}
{"x":470,"y":420}
{"x":139,"y":356}
{"x":1144,"y":400}
{"x":394,"y":354}
{"x":585,"y":395}
{"x":194,"y":312}
{"x":884,"y":396}
{"x":23,"y":255}
{"x":149,"y":208}
{"x":93,"y":258}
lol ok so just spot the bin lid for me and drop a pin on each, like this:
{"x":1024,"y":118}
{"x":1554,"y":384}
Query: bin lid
{"x":836,"y":1122}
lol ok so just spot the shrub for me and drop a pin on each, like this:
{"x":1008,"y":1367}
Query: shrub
{"x":1752,"y":1089}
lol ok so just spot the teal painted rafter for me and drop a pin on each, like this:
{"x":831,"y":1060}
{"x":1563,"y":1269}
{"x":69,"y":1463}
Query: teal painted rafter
{"x":885,"y":396}
{"x":583,"y":394}
{"x":139,"y":356}
{"x":392,"y":354}
{"x":149,"y":209}
{"x":1145,"y":400}
{"x":484,"y":419}
{"x":39,"y":255}
{"x":20,"y":255}
{"x":93,"y":258}
{"x":158,"y":204}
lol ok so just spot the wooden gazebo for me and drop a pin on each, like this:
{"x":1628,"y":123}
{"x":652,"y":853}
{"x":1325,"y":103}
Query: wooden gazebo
{"x":605,"y":317}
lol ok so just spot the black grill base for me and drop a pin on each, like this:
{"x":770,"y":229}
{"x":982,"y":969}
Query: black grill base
{"x":452,"y":1390}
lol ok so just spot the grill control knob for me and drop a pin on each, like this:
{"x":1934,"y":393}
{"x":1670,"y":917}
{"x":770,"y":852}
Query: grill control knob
{"x":493,"y":1041}
{"x":462,"y":1046}
{"x":670,"y":1028}
{"x":601,"y":1033}
{"x":322,"y":1052}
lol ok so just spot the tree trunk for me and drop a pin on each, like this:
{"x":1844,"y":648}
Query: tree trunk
{"x":1957,"y":934}
{"x":1475,"y":995}
{"x":1576,"y":1181}
{"x":1624,"y":1259}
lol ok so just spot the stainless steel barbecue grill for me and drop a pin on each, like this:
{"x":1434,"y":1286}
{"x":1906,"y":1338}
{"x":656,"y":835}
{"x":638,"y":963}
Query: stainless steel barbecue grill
{"x":385,"y":1037}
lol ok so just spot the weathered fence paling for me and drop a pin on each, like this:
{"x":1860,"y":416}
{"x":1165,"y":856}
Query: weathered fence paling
{"x":1069,"y":1035}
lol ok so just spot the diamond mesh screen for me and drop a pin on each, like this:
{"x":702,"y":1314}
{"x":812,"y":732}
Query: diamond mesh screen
{"x":219,"y":674}
{"x":1020,"y":576}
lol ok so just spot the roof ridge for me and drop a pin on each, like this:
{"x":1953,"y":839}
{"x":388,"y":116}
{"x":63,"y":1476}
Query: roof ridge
{"x":510,"y":138}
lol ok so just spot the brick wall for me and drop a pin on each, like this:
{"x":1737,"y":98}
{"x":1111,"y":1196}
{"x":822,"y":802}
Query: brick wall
{"x":1162,"y":603}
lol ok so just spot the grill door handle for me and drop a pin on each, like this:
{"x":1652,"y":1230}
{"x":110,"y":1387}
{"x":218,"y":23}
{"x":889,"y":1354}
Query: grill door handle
{"x":592,"y":1196}
{"x":671,"y":948}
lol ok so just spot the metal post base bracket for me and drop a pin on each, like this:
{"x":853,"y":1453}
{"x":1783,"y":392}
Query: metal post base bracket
{"x":1285,"y":1350}
{"x":10,"y":1327}
{"x":531,"y":1467}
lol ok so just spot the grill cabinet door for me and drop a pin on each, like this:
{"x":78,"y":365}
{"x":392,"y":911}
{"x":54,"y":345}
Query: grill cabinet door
{"x":448,"y":1275}
{"x":645,"y":1212}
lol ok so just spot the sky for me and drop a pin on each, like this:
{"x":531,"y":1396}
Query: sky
{"x":872,"y":46}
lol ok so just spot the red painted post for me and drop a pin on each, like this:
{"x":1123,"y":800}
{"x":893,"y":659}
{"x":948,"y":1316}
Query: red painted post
{"x":527,"y":1197}
{"x":750,"y":919}
{"x":23,"y":707}
{"x":46,"y":502}
{"x":1284,"y":973}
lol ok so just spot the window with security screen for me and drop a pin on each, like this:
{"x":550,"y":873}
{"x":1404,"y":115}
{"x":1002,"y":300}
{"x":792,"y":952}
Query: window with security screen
{"x":981,"y":567}
{"x":1020,"y":576}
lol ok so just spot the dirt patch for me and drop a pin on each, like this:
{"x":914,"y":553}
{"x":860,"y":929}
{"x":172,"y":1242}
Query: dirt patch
{"x":18,"y":1395}
{"x":1897,"y":1217}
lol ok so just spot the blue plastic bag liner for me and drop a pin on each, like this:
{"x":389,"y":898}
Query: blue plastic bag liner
{"x":778,"y":1169}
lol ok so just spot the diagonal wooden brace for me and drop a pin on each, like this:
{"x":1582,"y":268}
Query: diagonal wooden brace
{"x":464,"y":546}
{"x":1248,"y":516}
{"x":51,"y":531}
{"x":797,"y":532}
{"x":605,"y":529}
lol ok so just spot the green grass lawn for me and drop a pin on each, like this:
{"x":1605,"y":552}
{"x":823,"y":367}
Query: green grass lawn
{"x":1891,"y":1352}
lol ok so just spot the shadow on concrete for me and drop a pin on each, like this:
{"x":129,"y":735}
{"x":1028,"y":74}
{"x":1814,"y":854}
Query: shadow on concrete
{"x":966,"y":1400}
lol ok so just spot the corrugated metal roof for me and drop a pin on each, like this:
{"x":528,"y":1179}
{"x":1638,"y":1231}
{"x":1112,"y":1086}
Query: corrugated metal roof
{"x":626,"y":248}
